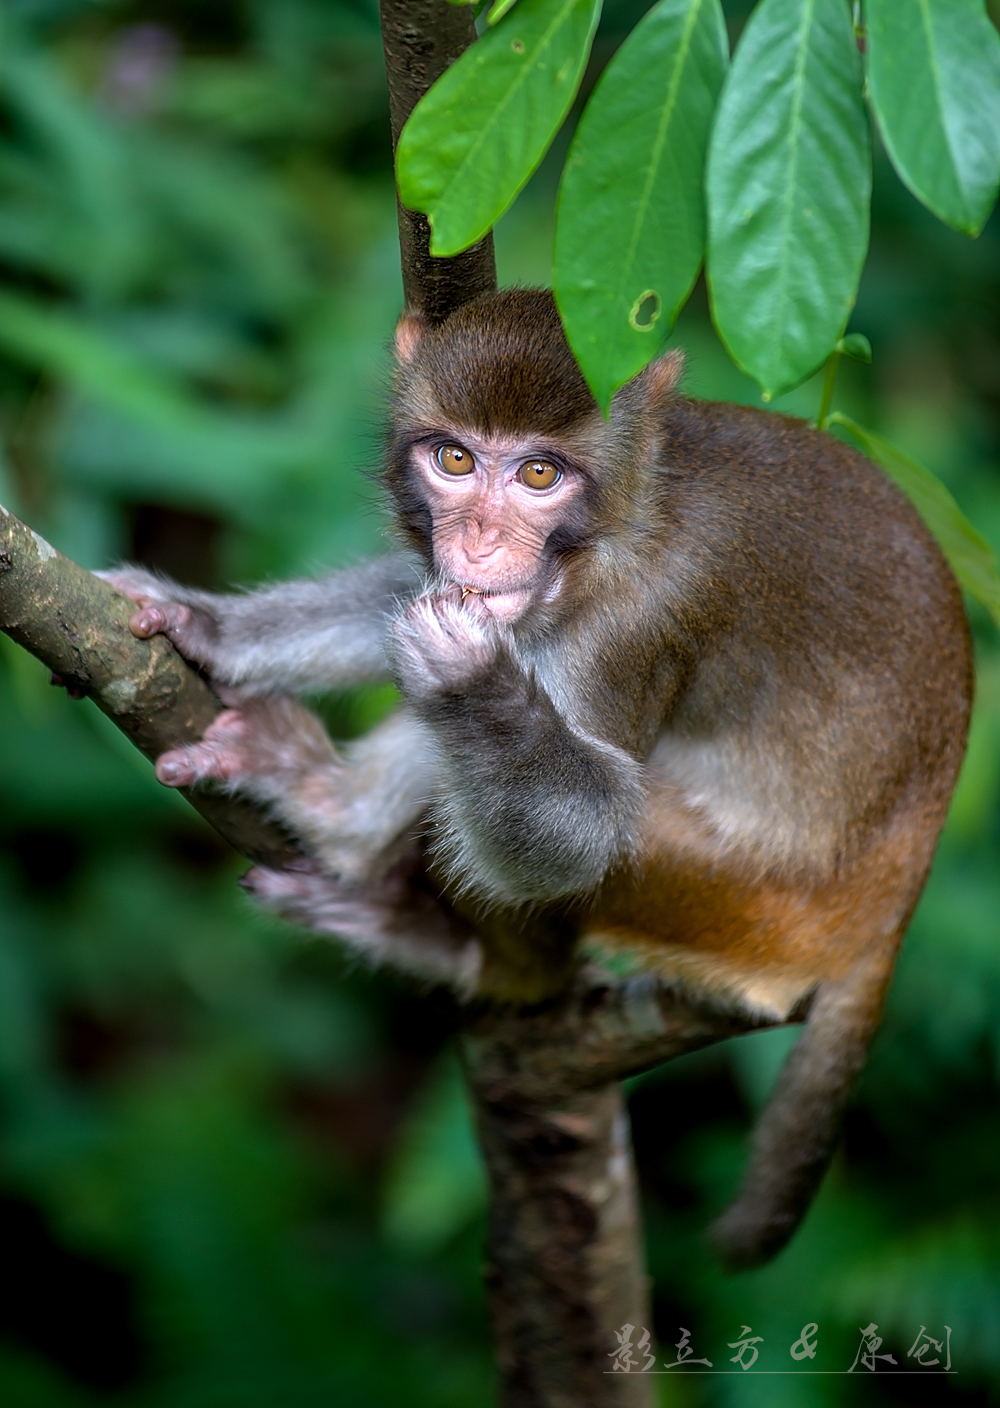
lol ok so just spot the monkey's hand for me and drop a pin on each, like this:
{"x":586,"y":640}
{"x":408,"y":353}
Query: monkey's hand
{"x":193,"y":630}
{"x":264,"y":743}
{"x":401,"y":922}
{"x":441,"y":643}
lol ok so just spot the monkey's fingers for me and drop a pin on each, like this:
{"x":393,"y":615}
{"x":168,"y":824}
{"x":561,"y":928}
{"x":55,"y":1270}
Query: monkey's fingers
{"x":159,"y":618}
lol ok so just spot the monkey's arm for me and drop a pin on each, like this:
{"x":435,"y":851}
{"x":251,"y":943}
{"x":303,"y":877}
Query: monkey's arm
{"x":307,"y":635}
{"x":529,"y":809}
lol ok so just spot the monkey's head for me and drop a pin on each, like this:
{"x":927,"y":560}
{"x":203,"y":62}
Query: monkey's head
{"x":504,"y":473}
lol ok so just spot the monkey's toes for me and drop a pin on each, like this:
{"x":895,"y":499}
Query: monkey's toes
{"x":279,"y":885}
{"x":176,"y":769}
{"x":202,"y":762}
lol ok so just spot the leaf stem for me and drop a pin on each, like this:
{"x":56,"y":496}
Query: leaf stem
{"x":823,"y":415}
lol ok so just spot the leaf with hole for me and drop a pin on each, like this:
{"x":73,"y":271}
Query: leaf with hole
{"x":630,"y":228}
{"x":789,"y":186}
{"x":474,"y":139}
{"x":934,"y":79}
{"x":971,"y":558}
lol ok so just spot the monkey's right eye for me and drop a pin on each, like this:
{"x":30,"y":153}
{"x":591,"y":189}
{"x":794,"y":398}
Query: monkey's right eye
{"x":454,"y":460}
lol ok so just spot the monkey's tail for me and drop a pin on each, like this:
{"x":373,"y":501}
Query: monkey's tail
{"x":795,"y":1136}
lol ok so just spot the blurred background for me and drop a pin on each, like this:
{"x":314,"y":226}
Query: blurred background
{"x":234,"y":1170}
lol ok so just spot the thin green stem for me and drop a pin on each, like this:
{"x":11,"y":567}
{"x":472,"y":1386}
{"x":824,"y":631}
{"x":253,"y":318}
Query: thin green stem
{"x":823,"y":416}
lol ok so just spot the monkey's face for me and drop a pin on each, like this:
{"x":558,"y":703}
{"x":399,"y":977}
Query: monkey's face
{"x":495,"y":502}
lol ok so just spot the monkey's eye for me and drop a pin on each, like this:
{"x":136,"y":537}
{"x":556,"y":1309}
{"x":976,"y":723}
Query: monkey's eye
{"x":454,"y":460}
{"x":539,"y":474}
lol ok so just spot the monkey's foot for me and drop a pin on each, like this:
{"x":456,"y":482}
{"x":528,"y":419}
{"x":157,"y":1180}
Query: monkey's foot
{"x":264,"y":746}
{"x":221,"y":756}
{"x":401,"y":922}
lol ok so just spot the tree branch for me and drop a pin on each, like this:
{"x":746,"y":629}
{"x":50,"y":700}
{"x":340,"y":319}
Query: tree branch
{"x":420,"y":38}
{"x":77,"y":625}
{"x":603,"y":1029}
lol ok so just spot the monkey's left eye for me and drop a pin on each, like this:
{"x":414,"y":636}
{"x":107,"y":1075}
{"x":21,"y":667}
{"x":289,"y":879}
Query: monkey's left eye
{"x":454,"y":460}
{"x":539,"y":474}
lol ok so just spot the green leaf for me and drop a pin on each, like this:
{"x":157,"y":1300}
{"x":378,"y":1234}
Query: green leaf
{"x":789,"y":184}
{"x":971,"y":558}
{"x":934,"y":78}
{"x":474,"y":139}
{"x":630,"y":230}
{"x":856,"y":346}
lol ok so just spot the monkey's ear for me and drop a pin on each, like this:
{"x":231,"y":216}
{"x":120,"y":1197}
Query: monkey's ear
{"x":409,"y":333}
{"x":660,"y":378}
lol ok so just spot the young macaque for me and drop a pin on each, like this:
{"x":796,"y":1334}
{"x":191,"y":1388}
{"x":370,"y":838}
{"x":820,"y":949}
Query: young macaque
{"x":691,"y":684}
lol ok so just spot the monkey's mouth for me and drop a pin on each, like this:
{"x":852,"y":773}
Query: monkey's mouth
{"x":506,"y":604}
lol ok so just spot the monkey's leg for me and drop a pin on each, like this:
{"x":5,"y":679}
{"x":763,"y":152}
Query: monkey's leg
{"x":796,"y":1135}
{"x":399,"y":922}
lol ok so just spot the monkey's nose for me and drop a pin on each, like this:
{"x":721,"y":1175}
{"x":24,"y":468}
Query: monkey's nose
{"x":482,"y":547}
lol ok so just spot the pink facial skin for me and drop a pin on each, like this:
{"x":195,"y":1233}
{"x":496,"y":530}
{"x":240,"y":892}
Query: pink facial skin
{"x":490,"y":527}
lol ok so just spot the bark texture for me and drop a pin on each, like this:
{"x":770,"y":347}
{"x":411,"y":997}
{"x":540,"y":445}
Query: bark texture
{"x":565,"y":1268}
{"x":78,"y":626}
{"x":420,"y":38}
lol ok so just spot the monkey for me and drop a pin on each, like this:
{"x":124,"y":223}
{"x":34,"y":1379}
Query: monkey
{"x":689,"y":684}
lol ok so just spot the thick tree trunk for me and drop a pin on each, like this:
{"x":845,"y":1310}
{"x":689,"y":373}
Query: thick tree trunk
{"x":565,"y":1270}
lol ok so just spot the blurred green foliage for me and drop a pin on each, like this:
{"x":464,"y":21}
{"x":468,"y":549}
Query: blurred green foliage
{"x":233,"y":1170}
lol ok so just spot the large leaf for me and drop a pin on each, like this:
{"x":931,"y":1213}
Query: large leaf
{"x":934,"y":77}
{"x":630,"y":231}
{"x":789,"y":185}
{"x":971,"y":558}
{"x":472,"y":142}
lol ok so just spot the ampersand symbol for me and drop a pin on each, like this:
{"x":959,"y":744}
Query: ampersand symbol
{"x":805,"y":1347}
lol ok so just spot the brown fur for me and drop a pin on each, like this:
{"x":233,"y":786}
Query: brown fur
{"x":704,"y":707}
{"x":753,"y":613}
